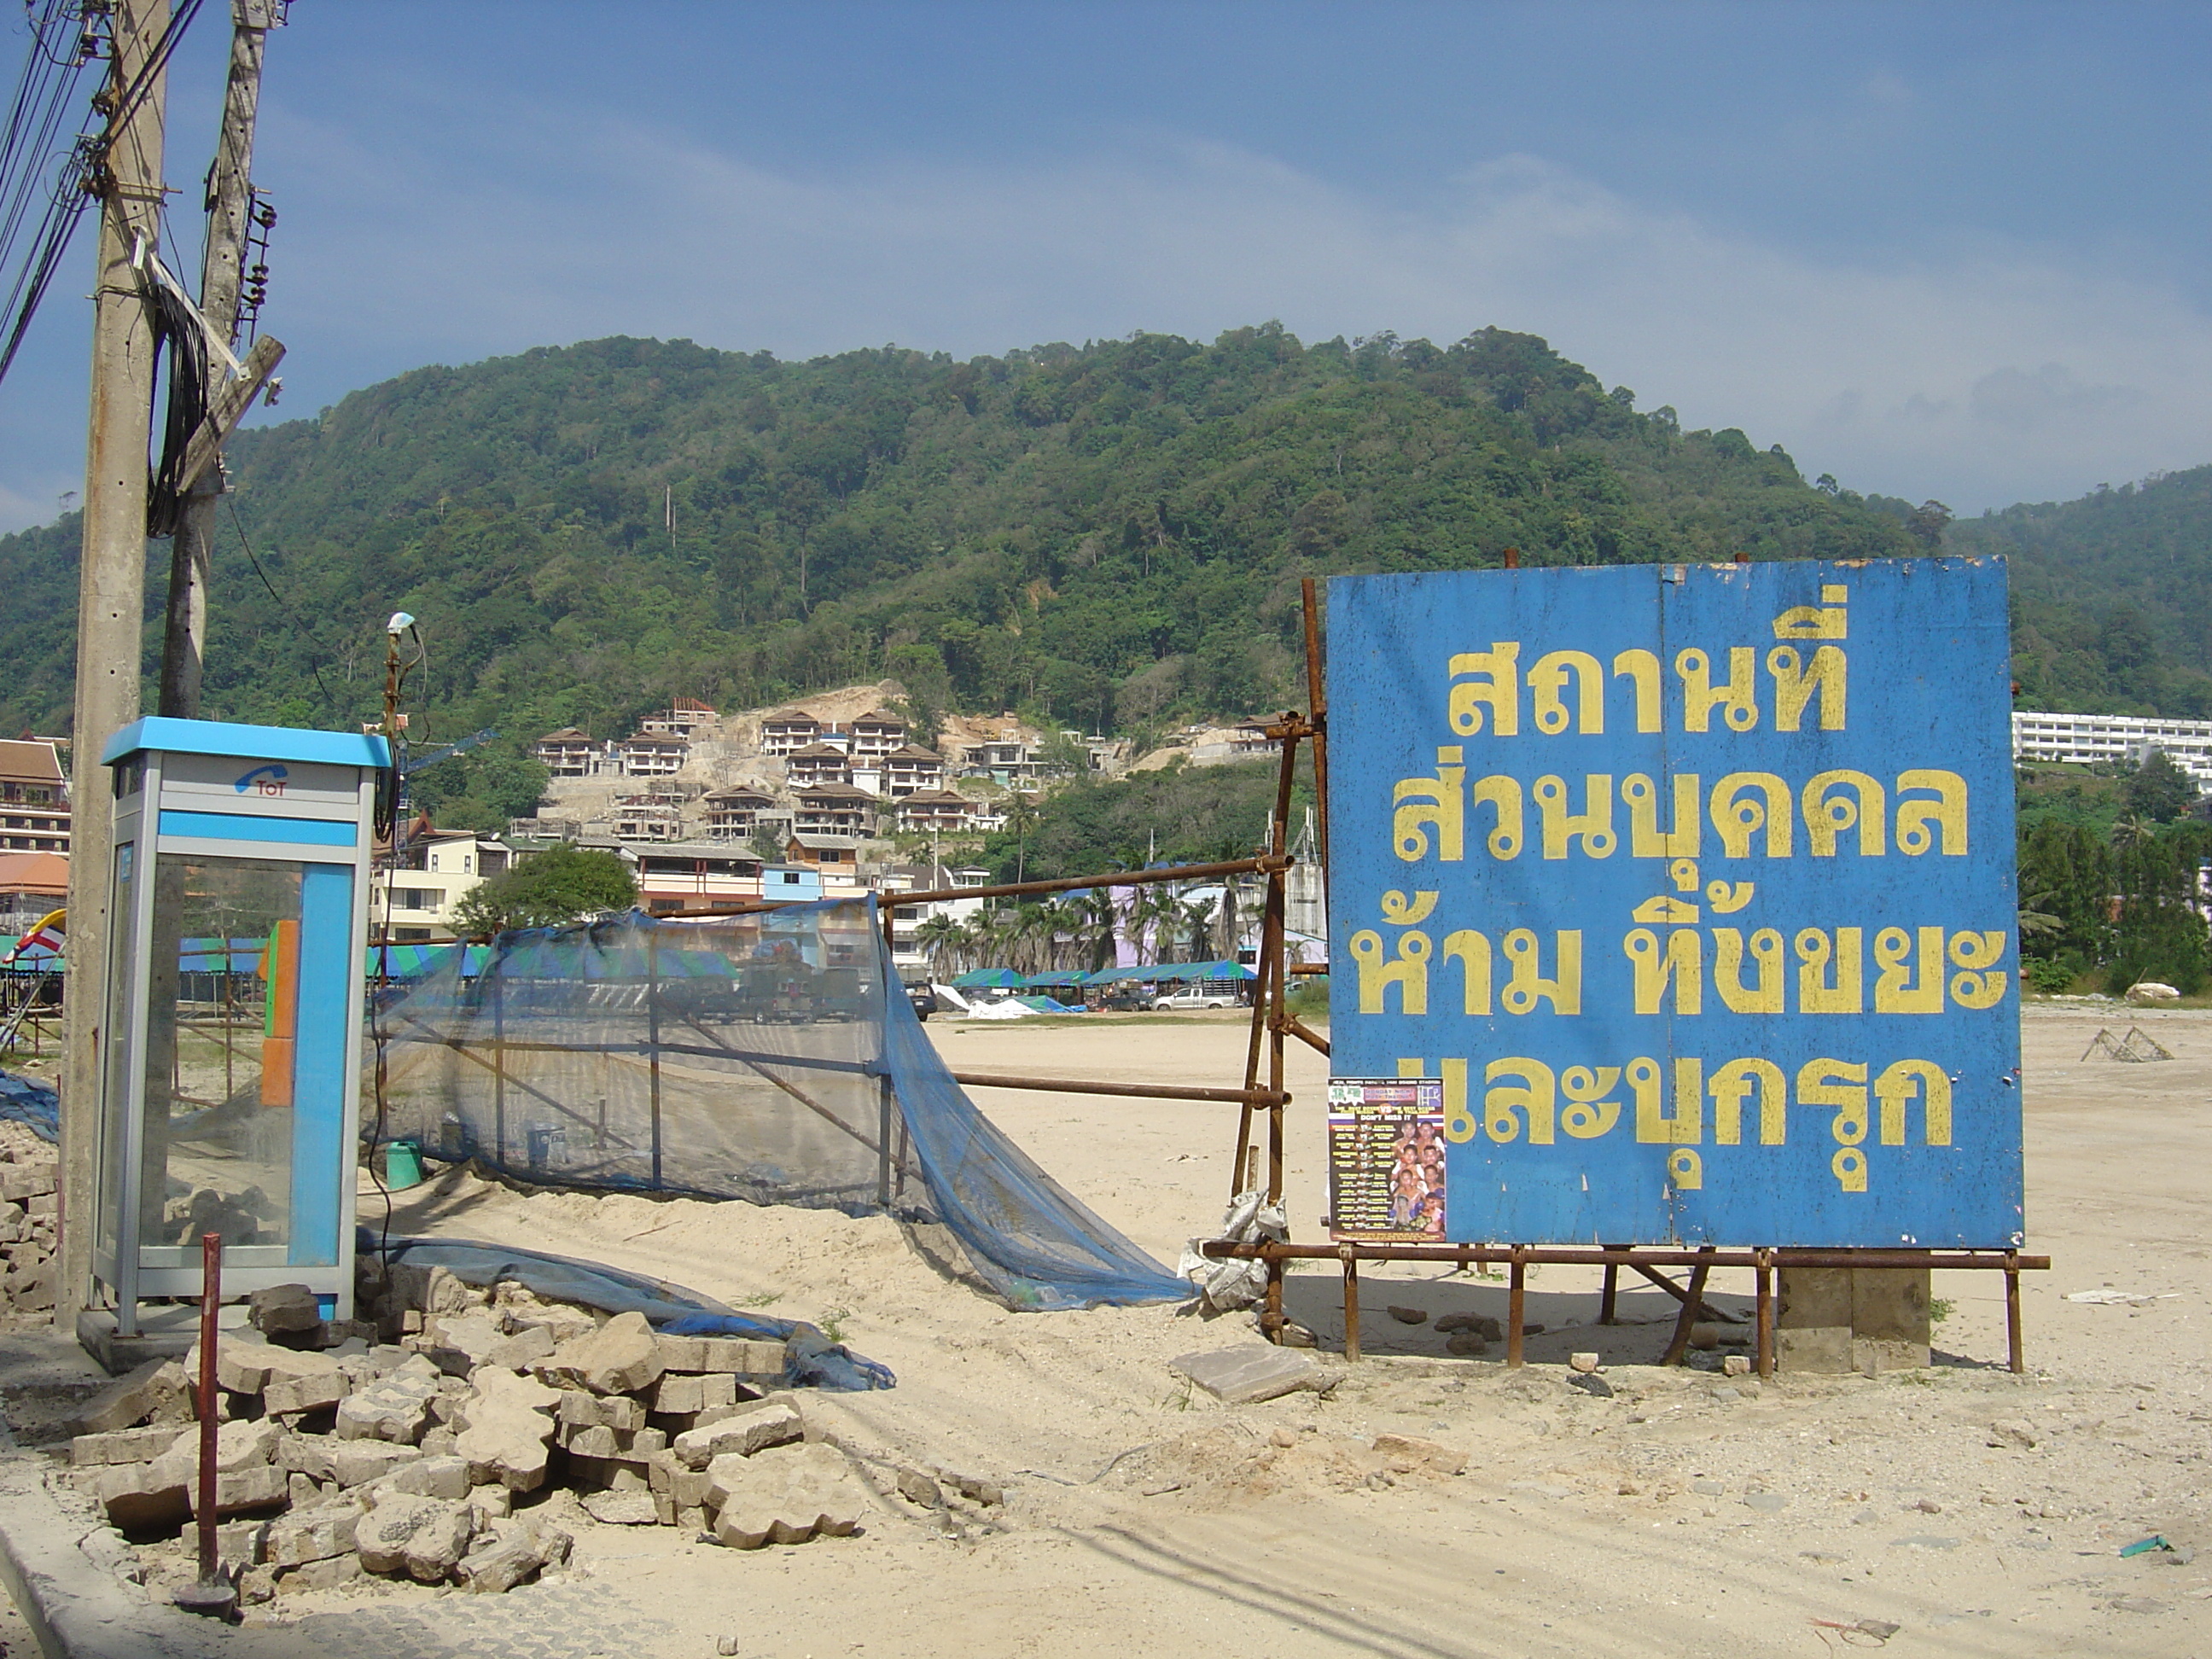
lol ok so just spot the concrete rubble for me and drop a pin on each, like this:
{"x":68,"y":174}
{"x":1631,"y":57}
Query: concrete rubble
{"x":421,"y":1442}
{"x":29,"y":1177}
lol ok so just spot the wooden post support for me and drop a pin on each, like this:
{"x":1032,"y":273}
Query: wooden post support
{"x":1691,"y":1300}
{"x":1764,"y":1272}
{"x":1516,"y":1305}
{"x":2015,"y":1341}
{"x":1609,"y":1294}
{"x":1351,"y":1303}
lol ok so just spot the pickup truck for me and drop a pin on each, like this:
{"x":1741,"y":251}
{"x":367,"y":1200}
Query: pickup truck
{"x":1195,"y":999}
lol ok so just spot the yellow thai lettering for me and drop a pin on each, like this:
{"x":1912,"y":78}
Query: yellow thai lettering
{"x":1535,"y":1099}
{"x":1459,"y":1122}
{"x":1895,"y":991}
{"x":1641,"y":670}
{"x":1983,"y":985}
{"x":1378,"y":972}
{"x":1655,"y":1125}
{"x":1682,"y":962}
{"x":1796,"y":685}
{"x":1849,"y":1166}
{"x":1737,"y":700}
{"x":1527,"y":986}
{"x":1840,"y":1084}
{"x":1549,"y":675}
{"x":1470,"y":951}
{"x":1420,"y":804}
{"x":1744,"y":802}
{"x":1821,"y":991}
{"x":1765,"y":996}
{"x":1503,"y":796}
{"x":1897,"y":1087}
{"x":1592,"y":826}
{"x":1400,"y":911}
{"x":1732,"y":1085}
{"x":1922,"y":823}
{"x":1498,"y":690}
{"x":1589,"y":1113}
{"x":1856,"y":804}
{"x":1681,"y":838}
{"x":1826,"y":621}
{"x":1685,"y":1170}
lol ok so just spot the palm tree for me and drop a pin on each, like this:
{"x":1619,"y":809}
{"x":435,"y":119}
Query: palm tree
{"x":1022,"y":817}
{"x":978,"y":940}
{"x":1090,"y":926}
{"x":1030,"y":936}
{"x":939,"y":937}
{"x":1197,"y":916}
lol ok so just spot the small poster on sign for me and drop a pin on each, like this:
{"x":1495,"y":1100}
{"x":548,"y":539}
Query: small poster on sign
{"x":1386,"y":1159}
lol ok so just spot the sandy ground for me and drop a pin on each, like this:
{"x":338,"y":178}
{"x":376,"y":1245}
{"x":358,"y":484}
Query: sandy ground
{"x":1689,"y":1514}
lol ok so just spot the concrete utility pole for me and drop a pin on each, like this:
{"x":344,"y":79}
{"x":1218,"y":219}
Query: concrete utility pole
{"x":229,"y":201}
{"x":111,"y":600}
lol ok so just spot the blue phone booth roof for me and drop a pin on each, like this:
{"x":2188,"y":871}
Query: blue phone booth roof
{"x":275,"y":742}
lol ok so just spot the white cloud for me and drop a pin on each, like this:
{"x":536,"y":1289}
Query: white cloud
{"x":1983,"y":377}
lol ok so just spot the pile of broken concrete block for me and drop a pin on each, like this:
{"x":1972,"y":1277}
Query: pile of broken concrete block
{"x":27,"y":1203}
{"x":433,"y":1456}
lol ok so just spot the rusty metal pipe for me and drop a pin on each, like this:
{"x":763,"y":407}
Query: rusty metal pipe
{"x":1263,"y":863}
{"x":1550,"y":1256}
{"x":1135,"y":1090}
{"x":210,"y":1302}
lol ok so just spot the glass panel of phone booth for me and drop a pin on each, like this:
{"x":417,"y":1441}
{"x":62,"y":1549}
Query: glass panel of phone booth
{"x":221,"y":1056}
{"x":122,"y":963}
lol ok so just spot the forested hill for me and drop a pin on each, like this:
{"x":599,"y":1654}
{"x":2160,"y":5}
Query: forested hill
{"x":2111,"y":595}
{"x":1107,"y":536}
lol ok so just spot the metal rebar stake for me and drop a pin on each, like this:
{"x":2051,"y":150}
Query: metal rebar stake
{"x":212,"y":1593}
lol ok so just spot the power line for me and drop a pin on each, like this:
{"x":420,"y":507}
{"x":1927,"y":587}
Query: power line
{"x":290,"y":615}
{"x":29,"y":141}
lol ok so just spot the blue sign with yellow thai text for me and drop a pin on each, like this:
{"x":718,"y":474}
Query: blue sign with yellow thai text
{"x":1693,"y":885}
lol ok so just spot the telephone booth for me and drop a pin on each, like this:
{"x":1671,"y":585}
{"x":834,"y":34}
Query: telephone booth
{"x":239,"y":908}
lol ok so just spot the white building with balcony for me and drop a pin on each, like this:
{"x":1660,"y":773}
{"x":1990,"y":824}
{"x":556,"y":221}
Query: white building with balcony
{"x":2084,"y":738}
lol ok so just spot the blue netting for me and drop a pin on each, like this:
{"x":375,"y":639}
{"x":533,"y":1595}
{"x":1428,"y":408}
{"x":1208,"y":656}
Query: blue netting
{"x":812,"y":1359}
{"x":27,"y":1100}
{"x":771,"y":1057}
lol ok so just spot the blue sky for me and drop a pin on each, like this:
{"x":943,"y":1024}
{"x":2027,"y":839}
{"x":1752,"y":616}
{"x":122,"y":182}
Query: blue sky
{"x":1953,"y":250}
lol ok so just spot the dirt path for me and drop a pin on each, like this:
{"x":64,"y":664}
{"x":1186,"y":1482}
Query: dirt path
{"x":1686,"y":1514}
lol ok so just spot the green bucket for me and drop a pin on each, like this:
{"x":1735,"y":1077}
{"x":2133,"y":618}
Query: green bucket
{"x":403,"y":1165}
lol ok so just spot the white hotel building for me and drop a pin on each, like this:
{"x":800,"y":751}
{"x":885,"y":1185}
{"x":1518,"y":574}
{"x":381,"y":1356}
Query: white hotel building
{"x":2082,"y":738}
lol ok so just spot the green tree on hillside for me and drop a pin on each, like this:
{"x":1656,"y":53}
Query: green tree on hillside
{"x":544,"y":889}
{"x":1102,"y":537}
{"x":2159,"y":790}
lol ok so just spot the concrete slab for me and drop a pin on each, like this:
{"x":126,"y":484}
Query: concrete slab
{"x":1240,"y":1376}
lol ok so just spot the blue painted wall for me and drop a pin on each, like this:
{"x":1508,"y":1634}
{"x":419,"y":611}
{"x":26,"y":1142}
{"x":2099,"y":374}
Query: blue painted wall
{"x":1695,"y":885}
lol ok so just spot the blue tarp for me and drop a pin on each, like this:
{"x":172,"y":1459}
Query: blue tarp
{"x":27,"y":1100}
{"x":814,"y":1361}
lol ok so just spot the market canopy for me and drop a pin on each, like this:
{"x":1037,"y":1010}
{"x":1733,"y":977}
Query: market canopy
{"x":413,"y":961}
{"x":976,"y":979}
{"x":1177,"y":973}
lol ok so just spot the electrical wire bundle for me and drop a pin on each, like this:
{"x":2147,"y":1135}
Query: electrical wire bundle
{"x":67,"y":37}
{"x":177,"y":325}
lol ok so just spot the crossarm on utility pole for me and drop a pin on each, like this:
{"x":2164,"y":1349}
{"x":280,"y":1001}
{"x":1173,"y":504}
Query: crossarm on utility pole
{"x":228,"y":408}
